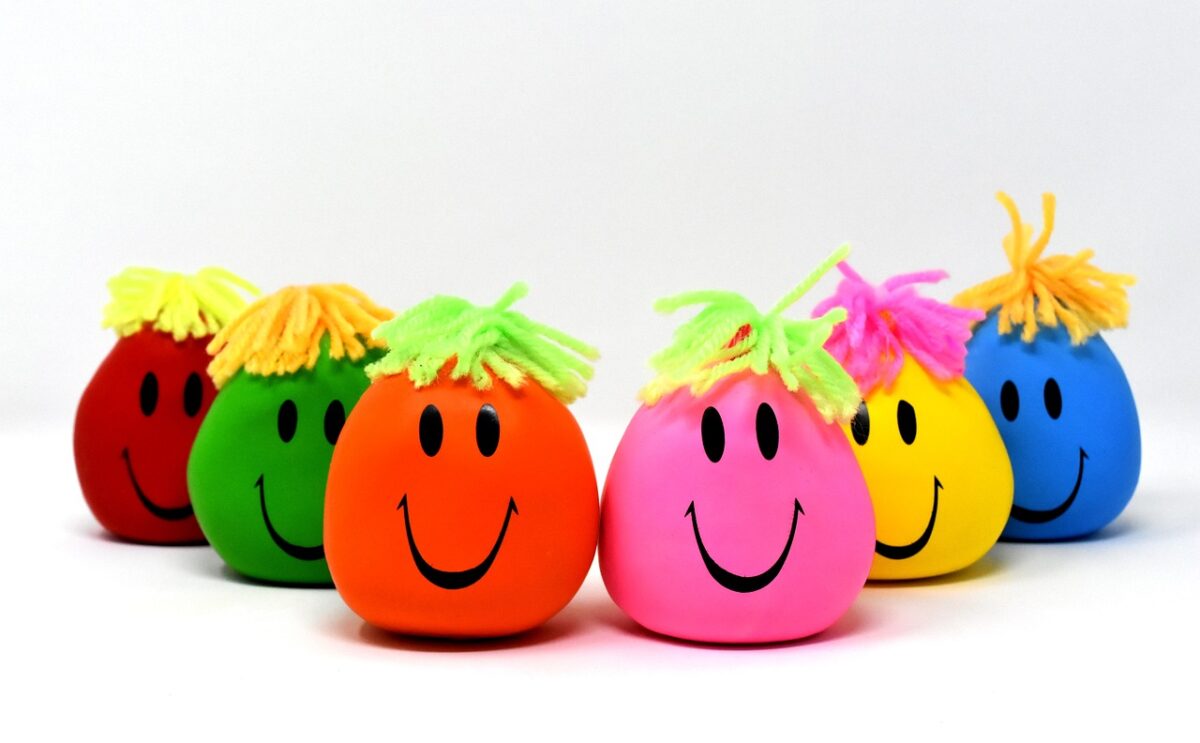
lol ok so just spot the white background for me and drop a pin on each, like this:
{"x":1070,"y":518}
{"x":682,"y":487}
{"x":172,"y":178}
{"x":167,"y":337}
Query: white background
{"x":608,"y":154}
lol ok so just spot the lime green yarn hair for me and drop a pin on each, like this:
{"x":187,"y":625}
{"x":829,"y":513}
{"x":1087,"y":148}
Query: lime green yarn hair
{"x":485,"y":343}
{"x":196,"y":305}
{"x":730,"y":336}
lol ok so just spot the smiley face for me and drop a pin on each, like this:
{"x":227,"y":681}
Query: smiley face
{"x":431,"y":432}
{"x":134,"y":429}
{"x":938,"y":474}
{"x":738,"y":516}
{"x":259,"y":466}
{"x":1069,"y":421}
{"x":458,"y":512}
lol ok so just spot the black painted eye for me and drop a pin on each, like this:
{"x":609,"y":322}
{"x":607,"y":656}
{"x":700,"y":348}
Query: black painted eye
{"x":487,"y":430}
{"x":766,"y":426}
{"x":860,"y":425}
{"x":712,"y":433}
{"x":286,"y":420}
{"x":193,"y":395}
{"x":1010,"y":401}
{"x":906,"y":421}
{"x":431,"y":430}
{"x":335,"y":418}
{"x":1053,"y":396}
{"x":148,"y":395}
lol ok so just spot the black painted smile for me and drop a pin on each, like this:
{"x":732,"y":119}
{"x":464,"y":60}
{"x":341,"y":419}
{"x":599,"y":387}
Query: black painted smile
{"x":162,"y":512}
{"x":904,"y":551}
{"x":297,"y":551}
{"x":1033,"y":516}
{"x":743,"y":583}
{"x":454,"y":579}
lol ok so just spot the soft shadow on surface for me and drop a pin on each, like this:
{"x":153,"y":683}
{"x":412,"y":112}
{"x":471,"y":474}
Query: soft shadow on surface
{"x":92,"y":530}
{"x":576,"y":619}
{"x":987,"y":567}
{"x":855,"y":622}
{"x":1117,"y":529}
{"x":206,"y":563}
{"x":229,"y":574}
{"x":556,"y":629}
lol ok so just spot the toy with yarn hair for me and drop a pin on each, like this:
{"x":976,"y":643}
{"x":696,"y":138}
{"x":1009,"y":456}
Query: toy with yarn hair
{"x":139,"y":414}
{"x":1058,"y":394}
{"x":734,"y":510}
{"x":935,"y":465}
{"x":290,"y":369}
{"x":462,"y":498}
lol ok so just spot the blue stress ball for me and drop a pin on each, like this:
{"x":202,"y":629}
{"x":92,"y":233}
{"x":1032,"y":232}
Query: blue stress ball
{"x":1056,"y":391}
{"x":1067,"y":416}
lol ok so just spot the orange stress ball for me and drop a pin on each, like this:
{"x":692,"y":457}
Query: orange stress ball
{"x":461,"y":499}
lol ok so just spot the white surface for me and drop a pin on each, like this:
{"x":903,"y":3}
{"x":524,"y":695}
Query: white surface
{"x":1096,"y":636}
{"x":609,"y":153}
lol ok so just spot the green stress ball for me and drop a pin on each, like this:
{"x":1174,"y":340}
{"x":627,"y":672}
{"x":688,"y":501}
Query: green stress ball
{"x":288,"y":369}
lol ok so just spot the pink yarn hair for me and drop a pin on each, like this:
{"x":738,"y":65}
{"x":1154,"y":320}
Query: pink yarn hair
{"x":885,"y":322}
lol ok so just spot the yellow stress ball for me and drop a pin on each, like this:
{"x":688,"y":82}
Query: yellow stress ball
{"x":934,"y":462}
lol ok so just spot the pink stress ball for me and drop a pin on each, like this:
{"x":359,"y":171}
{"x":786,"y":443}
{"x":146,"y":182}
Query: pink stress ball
{"x":734,"y":509}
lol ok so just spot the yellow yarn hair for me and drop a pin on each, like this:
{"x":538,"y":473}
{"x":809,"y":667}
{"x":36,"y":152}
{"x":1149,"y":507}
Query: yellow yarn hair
{"x":1047,"y":291}
{"x":175,"y":303}
{"x":281,"y":333}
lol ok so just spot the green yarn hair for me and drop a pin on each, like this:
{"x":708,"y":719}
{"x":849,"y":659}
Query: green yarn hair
{"x":485,"y":343}
{"x":730,"y":336}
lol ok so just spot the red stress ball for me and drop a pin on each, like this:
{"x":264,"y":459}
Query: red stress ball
{"x":141,"y":410}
